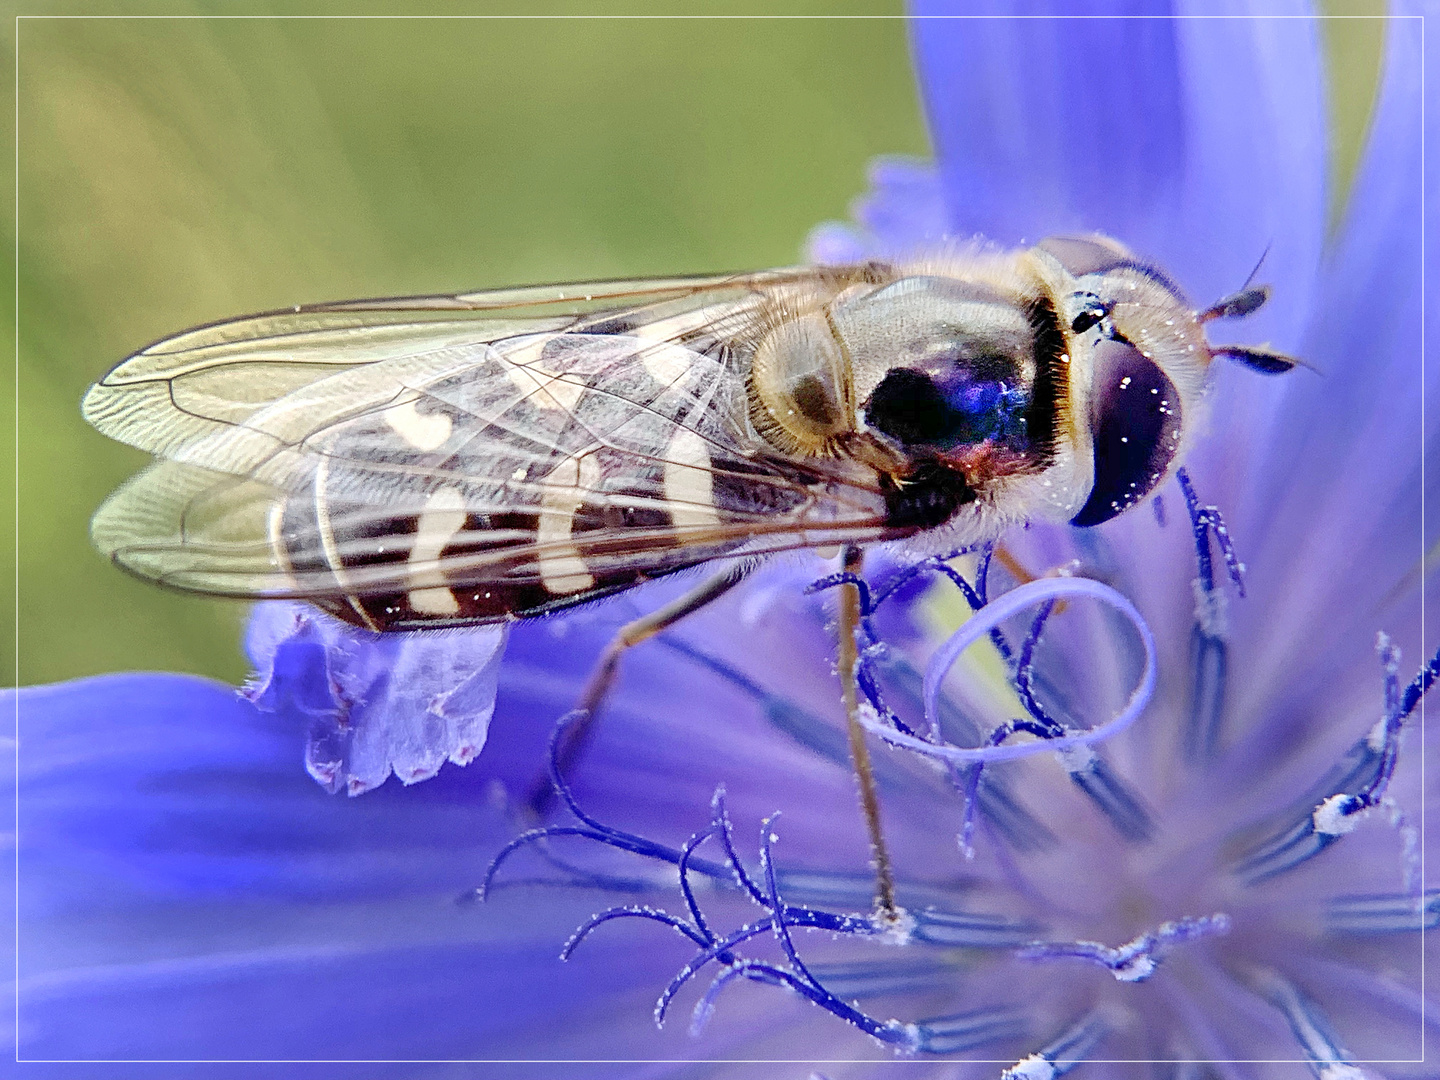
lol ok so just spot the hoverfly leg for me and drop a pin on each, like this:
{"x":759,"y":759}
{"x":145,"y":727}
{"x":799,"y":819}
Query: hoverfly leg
{"x":542,"y":794}
{"x":848,"y":659}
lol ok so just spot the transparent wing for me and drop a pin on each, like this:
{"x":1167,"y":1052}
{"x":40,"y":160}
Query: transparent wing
{"x":185,"y":387}
{"x":423,"y":471}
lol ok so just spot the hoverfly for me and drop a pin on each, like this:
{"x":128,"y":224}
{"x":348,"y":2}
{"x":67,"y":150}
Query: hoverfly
{"x":460,"y":460}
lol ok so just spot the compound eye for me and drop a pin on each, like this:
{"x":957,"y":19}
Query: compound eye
{"x":1135,"y":424}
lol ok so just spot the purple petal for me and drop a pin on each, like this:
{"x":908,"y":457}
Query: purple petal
{"x":139,"y":787}
{"x":373,"y":704}
{"x":1334,"y":479}
{"x":833,"y":242}
{"x":185,"y":892}
{"x":1198,"y":142}
{"x":903,"y":212}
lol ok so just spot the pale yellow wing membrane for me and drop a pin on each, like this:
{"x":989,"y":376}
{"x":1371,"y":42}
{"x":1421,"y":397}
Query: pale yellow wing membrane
{"x":521,"y":447}
{"x":185,"y":387}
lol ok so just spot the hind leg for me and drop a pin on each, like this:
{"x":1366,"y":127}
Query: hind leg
{"x":848,"y":659}
{"x":597,"y":687}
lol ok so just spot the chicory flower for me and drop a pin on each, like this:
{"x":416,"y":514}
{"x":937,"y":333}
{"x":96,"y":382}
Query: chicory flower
{"x":1237,"y":878}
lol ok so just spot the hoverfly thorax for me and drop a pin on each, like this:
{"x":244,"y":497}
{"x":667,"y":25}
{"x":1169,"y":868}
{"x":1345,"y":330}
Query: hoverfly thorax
{"x":945,"y":366}
{"x":928,"y":365}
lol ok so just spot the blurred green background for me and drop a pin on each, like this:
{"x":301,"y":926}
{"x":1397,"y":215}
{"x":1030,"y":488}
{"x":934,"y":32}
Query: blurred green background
{"x":175,"y":171}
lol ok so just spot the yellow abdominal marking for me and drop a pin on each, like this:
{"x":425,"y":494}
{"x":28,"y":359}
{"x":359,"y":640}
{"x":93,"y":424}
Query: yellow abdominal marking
{"x":562,"y":492}
{"x":423,"y":431}
{"x":328,"y":545}
{"x":665,"y":362}
{"x":279,"y":557}
{"x":547,"y":389}
{"x":442,"y":518}
{"x":689,"y":486}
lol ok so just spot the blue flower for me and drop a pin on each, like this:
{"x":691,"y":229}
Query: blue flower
{"x":1236,"y":876}
{"x":371,"y":704}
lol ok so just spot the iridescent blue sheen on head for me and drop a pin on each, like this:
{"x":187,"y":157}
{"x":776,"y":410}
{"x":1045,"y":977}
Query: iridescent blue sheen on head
{"x":988,"y":409}
{"x":949,"y":409}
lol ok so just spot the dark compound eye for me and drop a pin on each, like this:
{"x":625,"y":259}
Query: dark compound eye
{"x":1086,"y":319}
{"x":1135,"y":424}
